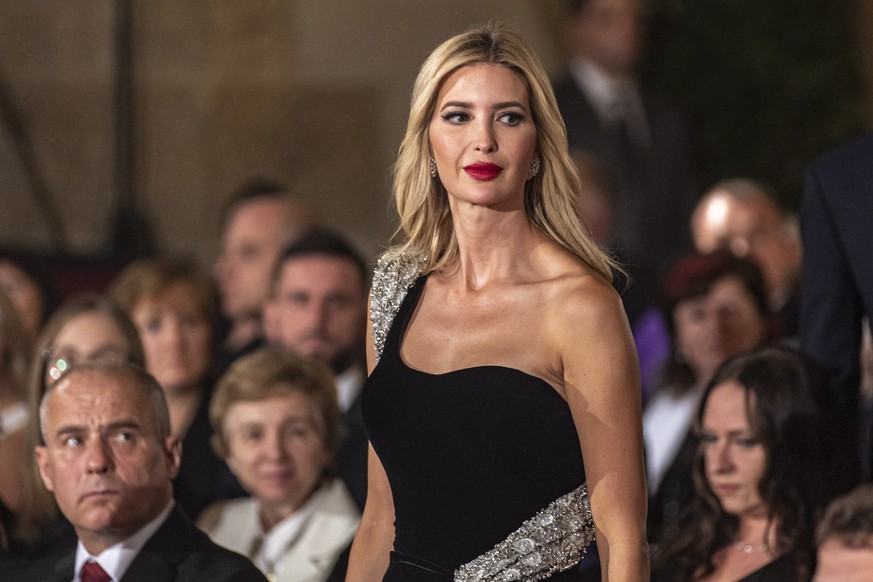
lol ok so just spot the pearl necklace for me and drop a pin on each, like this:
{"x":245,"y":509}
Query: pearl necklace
{"x":750,"y":549}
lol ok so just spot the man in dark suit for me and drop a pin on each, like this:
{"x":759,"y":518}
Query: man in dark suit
{"x":319,"y":305}
{"x":836,"y":225}
{"x":637,"y":135}
{"x":109,"y":459}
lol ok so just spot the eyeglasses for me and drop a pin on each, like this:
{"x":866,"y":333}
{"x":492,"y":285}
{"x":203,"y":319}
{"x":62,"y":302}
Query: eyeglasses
{"x":59,"y":361}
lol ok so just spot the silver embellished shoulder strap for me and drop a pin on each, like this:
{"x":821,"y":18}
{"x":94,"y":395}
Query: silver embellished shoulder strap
{"x":552,"y":541}
{"x":393,"y":277}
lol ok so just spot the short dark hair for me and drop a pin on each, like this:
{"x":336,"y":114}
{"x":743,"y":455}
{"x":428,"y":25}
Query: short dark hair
{"x":694,"y":276}
{"x":322,"y":242}
{"x":254,"y":189}
{"x":849,"y":519}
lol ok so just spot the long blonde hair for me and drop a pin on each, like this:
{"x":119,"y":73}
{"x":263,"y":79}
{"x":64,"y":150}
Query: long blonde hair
{"x":425,"y":221}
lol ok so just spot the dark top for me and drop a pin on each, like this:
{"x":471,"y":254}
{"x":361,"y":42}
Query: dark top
{"x":350,"y":460}
{"x":203,"y":477}
{"x":470,"y":455}
{"x":177,"y":552}
{"x":655,"y":183}
{"x":779,"y":570}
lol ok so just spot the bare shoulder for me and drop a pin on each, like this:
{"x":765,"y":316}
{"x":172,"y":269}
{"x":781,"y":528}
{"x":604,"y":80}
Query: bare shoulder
{"x":580,"y":299}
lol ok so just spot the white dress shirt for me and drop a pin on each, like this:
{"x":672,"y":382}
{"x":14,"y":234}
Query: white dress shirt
{"x":348,"y":385}
{"x":115,"y":560}
{"x":666,"y":421}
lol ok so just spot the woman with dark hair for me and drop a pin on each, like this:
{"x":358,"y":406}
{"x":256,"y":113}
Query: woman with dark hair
{"x":715,"y":306}
{"x":762,"y":474}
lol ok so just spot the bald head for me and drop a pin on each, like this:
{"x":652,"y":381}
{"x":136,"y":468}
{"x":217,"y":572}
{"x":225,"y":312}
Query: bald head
{"x":128,"y":377}
{"x":740,"y":215}
{"x":108,"y":457}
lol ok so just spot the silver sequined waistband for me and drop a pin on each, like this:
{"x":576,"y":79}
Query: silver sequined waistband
{"x":552,"y":541}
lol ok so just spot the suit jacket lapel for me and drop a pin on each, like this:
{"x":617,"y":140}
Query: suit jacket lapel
{"x":158,"y":559}
{"x":62,"y":570}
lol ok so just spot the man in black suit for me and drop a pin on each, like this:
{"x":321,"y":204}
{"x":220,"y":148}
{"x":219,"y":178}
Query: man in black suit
{"x":109,"y":459}
{"x":638,"y":136}
{"x":319,"y":305}
{"x":836,"y":225}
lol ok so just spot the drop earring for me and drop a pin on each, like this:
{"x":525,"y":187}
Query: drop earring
{"x":534,"y":167}
{"x":433,"y":168}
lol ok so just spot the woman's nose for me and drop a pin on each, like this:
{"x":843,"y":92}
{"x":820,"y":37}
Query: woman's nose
{"x":485,"y":140}
{"x":723,"y":461}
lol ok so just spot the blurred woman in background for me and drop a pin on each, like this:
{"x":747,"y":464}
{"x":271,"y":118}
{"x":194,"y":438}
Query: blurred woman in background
{"x":762,"y":474}
{"x":715,"y":306}
{"x":15,"y":353}
{"x":29,"y":290}
{"x":278,"y":424}
{"x":175,"y":310}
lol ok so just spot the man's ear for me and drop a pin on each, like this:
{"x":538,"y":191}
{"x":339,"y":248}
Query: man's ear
{"x":45,"y":467}
{"x":173,"y":453}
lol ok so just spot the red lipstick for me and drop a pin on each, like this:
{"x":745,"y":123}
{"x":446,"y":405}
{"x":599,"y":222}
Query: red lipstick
{"x":483,"y":172}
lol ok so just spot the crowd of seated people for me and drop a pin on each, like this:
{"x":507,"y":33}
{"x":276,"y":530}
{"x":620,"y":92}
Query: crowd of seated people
{"x":162,"y":314}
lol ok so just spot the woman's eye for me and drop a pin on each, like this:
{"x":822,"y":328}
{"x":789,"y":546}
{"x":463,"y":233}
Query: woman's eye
{"x":189,"y":320}
{"x":511,"y":118}
{"x":455,"y":117}
{"x":251,"y":436}
{"x":747,"y":442}
{"x":708,"y":439}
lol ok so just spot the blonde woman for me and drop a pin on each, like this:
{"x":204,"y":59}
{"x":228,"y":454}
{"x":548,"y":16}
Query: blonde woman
{"x":503,"y":402}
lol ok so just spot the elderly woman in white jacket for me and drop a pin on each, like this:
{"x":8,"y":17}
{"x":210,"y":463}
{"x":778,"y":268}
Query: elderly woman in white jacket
{"x":277,"y":425}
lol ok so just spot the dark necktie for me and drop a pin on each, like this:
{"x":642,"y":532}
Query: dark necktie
{"x":92,"y":572}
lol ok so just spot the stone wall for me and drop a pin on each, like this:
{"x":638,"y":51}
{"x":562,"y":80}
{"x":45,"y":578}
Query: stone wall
{"x":311,"y":92}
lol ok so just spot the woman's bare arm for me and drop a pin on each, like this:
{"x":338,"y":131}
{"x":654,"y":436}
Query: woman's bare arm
{"x":601,"y":379}
{"x":375,"y":538}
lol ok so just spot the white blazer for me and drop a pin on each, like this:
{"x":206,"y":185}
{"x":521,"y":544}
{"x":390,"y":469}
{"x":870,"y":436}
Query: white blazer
{"x":311,"y":555}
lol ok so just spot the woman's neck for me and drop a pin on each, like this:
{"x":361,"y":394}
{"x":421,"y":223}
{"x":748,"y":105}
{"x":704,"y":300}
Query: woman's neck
{"x":757,"y":532}
{"x":493,"y":245}
{"x":273,"y":513}
{"x":183,"y":406}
